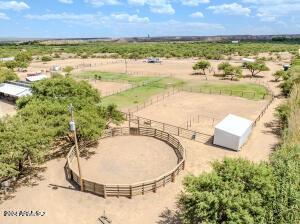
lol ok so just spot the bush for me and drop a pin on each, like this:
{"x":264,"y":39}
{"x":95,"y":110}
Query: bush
{"x":7,"y":75}
{"x":46,"y":58}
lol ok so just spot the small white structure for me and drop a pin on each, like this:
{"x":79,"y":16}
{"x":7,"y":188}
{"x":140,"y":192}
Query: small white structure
{"x":7,"y":59}
{"x":232,"y":132}
{"x":14,"y":91}
{"x":56,"y":68}
{"x":235,"y":42}
{"x":248,"y":60}
{"x":36,"y":78}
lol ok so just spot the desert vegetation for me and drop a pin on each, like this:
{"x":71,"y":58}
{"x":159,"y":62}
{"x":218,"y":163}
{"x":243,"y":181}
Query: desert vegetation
{"x":208,"y":50}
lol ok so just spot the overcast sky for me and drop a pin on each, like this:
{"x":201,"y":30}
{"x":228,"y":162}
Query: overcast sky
{"x":119,"y":18}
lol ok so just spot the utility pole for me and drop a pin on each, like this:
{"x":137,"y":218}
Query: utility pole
{"x":73,"y":129}
{"x":125,"y":66}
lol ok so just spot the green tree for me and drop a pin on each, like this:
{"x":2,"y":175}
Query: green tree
{"x":256,"y":67}
{"x":237,"y":191}
{"x":11,"y":64}
{"x":202,"y":66}
{"x":280,"y":74}
{"x":68,"y":70}
{"x":234,"y":72}
{"x":23,"y":56}
{"x":7,"y":75}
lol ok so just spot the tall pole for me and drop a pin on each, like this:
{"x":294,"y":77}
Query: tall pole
{"x":125,"y":65}
{"x":73,"y":129}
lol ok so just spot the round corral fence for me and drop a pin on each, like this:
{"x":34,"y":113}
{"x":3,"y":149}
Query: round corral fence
{"x":134,"y":189}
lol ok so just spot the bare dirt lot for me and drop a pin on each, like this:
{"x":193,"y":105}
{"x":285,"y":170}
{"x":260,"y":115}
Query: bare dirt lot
{"x":6,"y":108}
{"x":209,"y":109}
{"x":109,"y":88}
{"x":128,"y":160}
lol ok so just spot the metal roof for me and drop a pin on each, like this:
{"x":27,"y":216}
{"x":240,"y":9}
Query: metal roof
{"x":14,"y":90}
{"x":36,"y":78}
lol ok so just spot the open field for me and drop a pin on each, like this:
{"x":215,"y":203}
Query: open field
{"x":109,"y":88}
{"x":127,"y":160}
{"x":245,"y":90}
{"x":7,"y":108}
{"x":209,"y":109}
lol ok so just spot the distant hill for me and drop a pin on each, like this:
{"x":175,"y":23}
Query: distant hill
{"x":156,"y":39}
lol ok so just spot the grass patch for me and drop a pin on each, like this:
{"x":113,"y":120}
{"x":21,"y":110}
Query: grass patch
{"x":117,"y":77}
{"x":143,"y":93}
{"x":245,"y":90}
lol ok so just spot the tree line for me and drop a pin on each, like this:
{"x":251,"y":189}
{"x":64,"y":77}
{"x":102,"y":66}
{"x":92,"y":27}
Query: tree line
{"x":207,"y":50}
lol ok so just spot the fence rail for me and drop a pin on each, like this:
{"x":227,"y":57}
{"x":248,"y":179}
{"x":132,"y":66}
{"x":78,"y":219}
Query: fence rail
{"x":171,"y":129}
{"x":130,"y":190}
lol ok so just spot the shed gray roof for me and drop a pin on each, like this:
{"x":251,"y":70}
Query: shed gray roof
{"x":14,"y":90}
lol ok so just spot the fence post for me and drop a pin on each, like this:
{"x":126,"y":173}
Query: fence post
{"x":154,"y":188}
{"x":173,"y":176}
{"x":130,"y":190}
{"x":104,"y":191}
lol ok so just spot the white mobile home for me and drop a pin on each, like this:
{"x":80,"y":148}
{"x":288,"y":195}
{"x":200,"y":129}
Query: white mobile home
{"x":232,"y":132}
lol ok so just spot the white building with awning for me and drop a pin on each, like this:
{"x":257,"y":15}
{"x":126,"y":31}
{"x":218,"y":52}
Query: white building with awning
{"x":232,"y":132}
{"x":14,"y":91}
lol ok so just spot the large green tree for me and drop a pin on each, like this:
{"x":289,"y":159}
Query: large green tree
{"x":202,"y":66}
{"x":256,"y":67}
{"x":237,"y":191}
{"x":43,"y":118}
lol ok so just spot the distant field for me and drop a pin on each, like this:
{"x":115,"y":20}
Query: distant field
{"x":245,"y":90}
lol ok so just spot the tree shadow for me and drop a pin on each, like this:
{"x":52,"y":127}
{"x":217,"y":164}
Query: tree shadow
{"x":273,"y":128}
{"x":169,"y":217}
{"x":30,"y":178}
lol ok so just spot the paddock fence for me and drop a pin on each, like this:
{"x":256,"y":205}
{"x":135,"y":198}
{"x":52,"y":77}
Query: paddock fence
{"x":171,"y":129}
{"x":227,"y":92}
{"x":130,"y":190}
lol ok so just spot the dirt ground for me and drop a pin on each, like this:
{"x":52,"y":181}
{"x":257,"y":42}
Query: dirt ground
{"x":109,"y":88}
{"x":209,"y":109}
{"x":63,"y":204}
{"x":127,"y":160}
{"x":6,"y":108}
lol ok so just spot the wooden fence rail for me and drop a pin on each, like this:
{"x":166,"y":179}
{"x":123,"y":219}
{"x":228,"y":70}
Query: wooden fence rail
{"x":130,"y":190}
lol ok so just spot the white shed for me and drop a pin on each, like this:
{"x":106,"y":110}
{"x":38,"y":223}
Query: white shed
{"x":232,"y":132}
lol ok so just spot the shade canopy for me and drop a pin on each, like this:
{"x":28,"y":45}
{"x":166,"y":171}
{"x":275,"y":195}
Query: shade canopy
{"x":15,"y":91}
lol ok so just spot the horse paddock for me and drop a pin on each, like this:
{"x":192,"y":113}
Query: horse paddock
{"x":109,"y":88}
{"x":201,"y":111}
{"x":135,"y":161}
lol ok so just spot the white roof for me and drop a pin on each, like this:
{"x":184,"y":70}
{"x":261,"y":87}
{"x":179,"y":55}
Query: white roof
{"x":248,"y":59}
{"x":14,"y":90}
{"x":234,"y":125}
{"x":7,"y":59}
{"x":36,"y":78}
